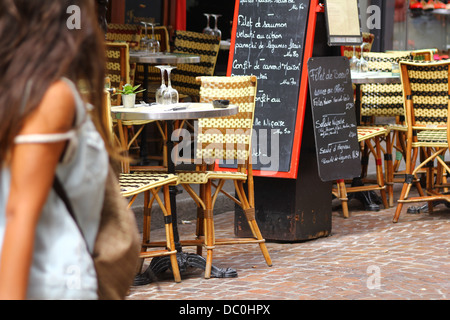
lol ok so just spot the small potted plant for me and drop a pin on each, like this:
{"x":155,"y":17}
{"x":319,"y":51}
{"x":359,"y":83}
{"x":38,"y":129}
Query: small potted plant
{"x":128,"y":93}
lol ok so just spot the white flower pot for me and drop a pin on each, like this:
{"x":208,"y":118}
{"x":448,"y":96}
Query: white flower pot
{"x":129,"y":100}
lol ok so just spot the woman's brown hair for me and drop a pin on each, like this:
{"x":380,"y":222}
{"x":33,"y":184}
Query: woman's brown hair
{"x":38,"y":47}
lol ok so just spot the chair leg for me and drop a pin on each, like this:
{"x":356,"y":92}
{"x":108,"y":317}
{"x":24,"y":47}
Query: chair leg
{"x":409,"y":180}
{"x":379,"y":168}
{"x":250,"y":216}
{"x":403,"y":196}
{"x":389,"y":169}
{"x":209,"y":230}
{"x":342,"y":194}
{"x":146,"y":227}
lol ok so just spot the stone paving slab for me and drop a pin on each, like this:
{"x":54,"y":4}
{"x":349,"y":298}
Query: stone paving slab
{"x":367,"y":257}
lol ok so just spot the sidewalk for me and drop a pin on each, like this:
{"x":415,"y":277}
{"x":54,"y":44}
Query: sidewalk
{"x":365,"y":257}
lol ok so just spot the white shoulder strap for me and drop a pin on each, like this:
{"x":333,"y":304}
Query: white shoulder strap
{"x":45,"y":138}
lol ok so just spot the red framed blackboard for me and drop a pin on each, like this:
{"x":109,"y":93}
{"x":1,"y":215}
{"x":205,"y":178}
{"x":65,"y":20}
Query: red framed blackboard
{"x":273,"y":40}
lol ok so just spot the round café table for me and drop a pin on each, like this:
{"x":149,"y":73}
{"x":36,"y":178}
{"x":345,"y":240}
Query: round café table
{"x":169,"y":114}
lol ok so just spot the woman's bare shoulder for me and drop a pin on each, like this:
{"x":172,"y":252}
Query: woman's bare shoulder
{"x":55,"y":112}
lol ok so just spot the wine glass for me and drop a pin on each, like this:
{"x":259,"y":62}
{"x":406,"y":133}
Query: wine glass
{"x":354,"y":61}
{"x":170,"y":95}
{"x":153,"y":44}
{"x":363,"y":66}
{"x":145,"y":40}
{"x":216,"y":32}
{"x":207,"y":29}
{"x":160,"y":91}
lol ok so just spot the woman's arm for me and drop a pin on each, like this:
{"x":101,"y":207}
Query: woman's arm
{"x":32,"y":171}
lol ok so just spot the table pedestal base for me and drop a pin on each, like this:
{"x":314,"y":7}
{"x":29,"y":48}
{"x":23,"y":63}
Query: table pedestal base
{"x":185,"y":260}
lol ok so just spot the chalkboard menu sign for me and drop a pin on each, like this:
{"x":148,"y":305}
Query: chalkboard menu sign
{"x":268,"y":42}
{"x":334,"y":118}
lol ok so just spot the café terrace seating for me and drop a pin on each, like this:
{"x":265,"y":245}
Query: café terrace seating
{"x":426,"y":92}
{"x":382,"y":105}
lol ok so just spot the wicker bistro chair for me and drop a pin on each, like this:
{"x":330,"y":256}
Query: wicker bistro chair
{"x":125,"y":33}
{"x":382,"y":105}
{"x":207,"y":47}
{"x":128,"y":33}
{"x":118,"y":71}
{"x":117,"y":66}
{"x":426,"y":93}
{"x":369,"y":137}
{"x":133,"y":184}
{"x":226,"y":138}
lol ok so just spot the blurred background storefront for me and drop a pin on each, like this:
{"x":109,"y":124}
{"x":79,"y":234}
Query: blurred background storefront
{"x":394,"y":23}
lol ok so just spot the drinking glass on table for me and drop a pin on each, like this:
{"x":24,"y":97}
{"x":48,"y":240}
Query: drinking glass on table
{"x":160,"y":91}
{"x":170,"y":95}
{"x":207,"y":29}
{"x":153,"y":44}
{"x":216,"y":32}
{"x":145,"y":40}
{"x":354,"y":61}
{"x":363,"y":65}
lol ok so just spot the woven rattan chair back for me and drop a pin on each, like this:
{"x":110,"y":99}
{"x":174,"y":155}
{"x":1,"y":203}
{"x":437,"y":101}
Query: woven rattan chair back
{"x":128,"y":33}
{"x":382,"y":99}
{"x":427,"y":86}
{"x":347,"y":51}
{"x":204,"y":45}
{"x":227,"y":138}
{"x":117,"y":67}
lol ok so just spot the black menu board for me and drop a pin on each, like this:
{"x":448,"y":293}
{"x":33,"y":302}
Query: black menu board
{"x":269,"y":43}
{"x":334,"y":118}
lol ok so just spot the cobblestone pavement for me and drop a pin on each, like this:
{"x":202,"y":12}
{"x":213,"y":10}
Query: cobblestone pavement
{"x":367,"y":257}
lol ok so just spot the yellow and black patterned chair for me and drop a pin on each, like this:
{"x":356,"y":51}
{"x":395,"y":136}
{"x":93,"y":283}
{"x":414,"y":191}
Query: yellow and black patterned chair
{"x":426,"y":92}
{"x":117,"y":67}
{"x":226,"y":138}
{"x":128,"y":33}
{"x":369,"y":138}
{"x":381,"y":101}
{"x":382,"y":105}
{"x":118,"y":71}
{"x":204,"y":45}
{"x":133,"y":184}
{"x":125,"y":33}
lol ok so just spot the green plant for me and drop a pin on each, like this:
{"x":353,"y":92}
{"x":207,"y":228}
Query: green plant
{"x":129,"y":89}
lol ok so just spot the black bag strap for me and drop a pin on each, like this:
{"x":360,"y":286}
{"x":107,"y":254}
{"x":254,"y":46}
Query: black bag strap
{"x":61,"y":192}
